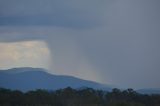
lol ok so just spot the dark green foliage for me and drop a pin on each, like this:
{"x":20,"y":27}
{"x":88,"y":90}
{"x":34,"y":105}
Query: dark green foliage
{"x":73,"y":97}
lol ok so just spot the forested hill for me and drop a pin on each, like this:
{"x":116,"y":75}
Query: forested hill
{"x":74,"y":97}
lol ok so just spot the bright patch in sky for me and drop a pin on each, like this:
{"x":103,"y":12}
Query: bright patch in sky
{"x":24,"y":54}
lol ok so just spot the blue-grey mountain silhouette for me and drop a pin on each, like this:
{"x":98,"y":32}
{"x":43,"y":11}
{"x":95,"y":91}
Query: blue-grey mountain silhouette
{"x":36,"y":78}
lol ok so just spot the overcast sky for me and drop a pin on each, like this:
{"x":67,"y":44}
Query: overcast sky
{"x":109,"y":41}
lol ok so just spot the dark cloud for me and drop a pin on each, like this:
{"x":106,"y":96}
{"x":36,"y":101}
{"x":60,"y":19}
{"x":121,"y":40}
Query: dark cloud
{"x":60,"y":13}
{"x":109,"y":41}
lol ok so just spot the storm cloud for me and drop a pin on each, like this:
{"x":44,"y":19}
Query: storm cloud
{"x":109,"y":41}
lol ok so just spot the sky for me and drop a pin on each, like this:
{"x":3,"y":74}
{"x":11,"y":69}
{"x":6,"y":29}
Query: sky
{"x":109,"y":41}
{"x":24,"y":54}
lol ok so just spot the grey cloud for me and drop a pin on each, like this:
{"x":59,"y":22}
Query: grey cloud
{"x":71,"y":13}
{"x":122,"y":49}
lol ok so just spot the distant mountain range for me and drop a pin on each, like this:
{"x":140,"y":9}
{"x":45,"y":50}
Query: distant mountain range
{"x":27,"y":78}
{"x":36,"y":78}
{"x":149,"y":91}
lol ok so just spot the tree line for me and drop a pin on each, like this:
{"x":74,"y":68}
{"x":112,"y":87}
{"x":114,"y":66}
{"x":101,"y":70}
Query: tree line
{"x":77,"y":97}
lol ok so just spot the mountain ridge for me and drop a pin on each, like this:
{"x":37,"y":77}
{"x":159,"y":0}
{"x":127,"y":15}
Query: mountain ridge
{"x":149,"y":91}
{"x":36,"y":78}
{"x":28,"y":78}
